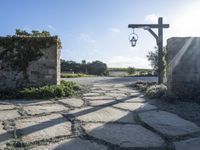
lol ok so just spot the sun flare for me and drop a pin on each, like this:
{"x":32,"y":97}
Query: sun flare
{"x":188,"y":22}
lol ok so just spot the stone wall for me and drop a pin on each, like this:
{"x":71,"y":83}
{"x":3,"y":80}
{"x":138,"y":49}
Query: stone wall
{"x":43,"y":71}
{"x":183,"y":59}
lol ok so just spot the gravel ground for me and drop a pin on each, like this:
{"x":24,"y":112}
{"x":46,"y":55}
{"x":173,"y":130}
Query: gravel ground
{"x":123,"y":80}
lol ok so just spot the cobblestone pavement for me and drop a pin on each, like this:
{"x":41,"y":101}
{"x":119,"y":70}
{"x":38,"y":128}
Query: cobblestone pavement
{"x":108,"y":117}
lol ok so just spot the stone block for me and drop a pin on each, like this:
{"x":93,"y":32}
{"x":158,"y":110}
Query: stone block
{"x":99,"y":98}
{"x":8,"y":114}
{"x":135,"y":106}
{"x":103,"y":114}
{"x":41,"y":128}
{"x":168,"y":123}
{"x":44,"y":109}
{"x":124,"y":135}
{"x":74,"y":102}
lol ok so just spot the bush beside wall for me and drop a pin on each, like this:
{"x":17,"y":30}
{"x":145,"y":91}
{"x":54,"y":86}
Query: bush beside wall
{"x":65,"y":89}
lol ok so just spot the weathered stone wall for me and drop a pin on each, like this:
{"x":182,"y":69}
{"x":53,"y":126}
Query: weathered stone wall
{"x":183,"y":59}
{"x":43,"y":71}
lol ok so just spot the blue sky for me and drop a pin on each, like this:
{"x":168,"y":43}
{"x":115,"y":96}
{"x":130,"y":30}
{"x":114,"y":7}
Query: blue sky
{"x":97,"y":29}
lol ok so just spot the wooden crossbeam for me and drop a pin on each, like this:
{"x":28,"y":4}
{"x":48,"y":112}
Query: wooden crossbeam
{"x":148,"y":25}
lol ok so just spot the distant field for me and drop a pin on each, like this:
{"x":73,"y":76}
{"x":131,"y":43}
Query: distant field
{"x":126,"y":69}
{"x":113,"y":72}
{"x":124,"y":72}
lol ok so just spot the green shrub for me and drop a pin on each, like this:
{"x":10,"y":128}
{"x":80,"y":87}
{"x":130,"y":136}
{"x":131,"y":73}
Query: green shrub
{"x":65,"y":89}
{"x":156,"y":91}
{"x":97,"y":68}
{"x":131,"y":70}
{"x":143,"y":85}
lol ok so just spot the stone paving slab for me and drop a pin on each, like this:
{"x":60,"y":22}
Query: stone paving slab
{"x":116,"y":95}
{"x":135,"y":100}
{"x":75,"y":102}
{"x":168,"y":123}
{"x":41,"y":128}
{"x":29,"y":102}
{"x":44,"y":109}
{"x":9,"y":114}
{"x":101,"y":114}
{"x":103,"y":85}
{"x":5,"y":107}
{"x":124,"y":135}
{"x":119,"y":85}
{"x":94,"y":88}
{"x":191,"y":144}
{"x":116,"y":91}
{"x":99,"y":98}
{"x":121,"y":98}
{"x":127,"y":90}
{"x":72,"y":144}
{"x":135,"y":93}
{"x":108,"y":89}
{"x":4,"y":137}
{"x":91,"y":94}
{"x":101,"y":102}
{"x":98,"y":91}
{"x":135,"y":106}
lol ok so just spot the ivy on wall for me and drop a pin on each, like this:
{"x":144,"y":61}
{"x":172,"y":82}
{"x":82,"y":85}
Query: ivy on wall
{"x":23,"y":47}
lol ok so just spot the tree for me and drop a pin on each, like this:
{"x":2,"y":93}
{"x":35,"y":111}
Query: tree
{"x":152,"y":56}
{"x":131,"y":70}
{"x":84,"y":67}
{"x":84,"y":62}
{"x":97,"y":68}
{"x":94,"y":68}
{"x":70,"y":66}
{"x":20,"y":32}
{"x":34,"y":33}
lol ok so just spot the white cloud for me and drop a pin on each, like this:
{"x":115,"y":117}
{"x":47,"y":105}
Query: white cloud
{"x":86,"y":38}
{"x":151,"y":17}
{"x":122,"y":61}
{"x":51,"y":27}
{"x":116,"y":30}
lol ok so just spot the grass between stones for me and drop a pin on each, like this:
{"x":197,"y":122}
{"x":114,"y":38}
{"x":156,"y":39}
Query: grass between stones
{"x":65,"y":89}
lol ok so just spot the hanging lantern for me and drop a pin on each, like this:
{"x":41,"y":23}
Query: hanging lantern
{"x":133,"y":38}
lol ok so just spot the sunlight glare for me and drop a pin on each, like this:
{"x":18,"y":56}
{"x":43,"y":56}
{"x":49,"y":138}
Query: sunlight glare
{"x":188,"y":22}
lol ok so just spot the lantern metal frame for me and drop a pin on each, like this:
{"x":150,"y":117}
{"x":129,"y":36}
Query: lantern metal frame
{"x":133,"y":38}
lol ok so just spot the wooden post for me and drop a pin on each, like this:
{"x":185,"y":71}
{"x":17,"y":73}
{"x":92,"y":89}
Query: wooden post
{"x":160,"y":51}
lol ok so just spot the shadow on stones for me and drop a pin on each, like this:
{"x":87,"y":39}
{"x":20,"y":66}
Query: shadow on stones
{"x":103,"y":128}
